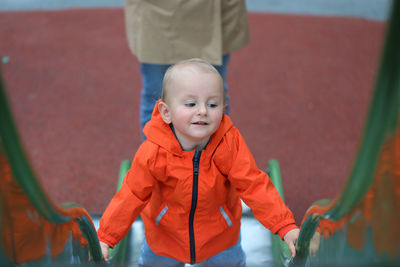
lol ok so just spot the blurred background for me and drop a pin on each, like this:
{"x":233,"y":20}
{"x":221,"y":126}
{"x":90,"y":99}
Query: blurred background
{"x":299,"y":91}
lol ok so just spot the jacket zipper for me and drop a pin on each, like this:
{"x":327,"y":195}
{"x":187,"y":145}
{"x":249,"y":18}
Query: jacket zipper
{"x":196,"y":160}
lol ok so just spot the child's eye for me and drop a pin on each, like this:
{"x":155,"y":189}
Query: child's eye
{"x":190,"y":105}
{"x":212,"y":105}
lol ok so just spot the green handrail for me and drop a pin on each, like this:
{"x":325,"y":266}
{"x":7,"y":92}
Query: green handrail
{"x":20,"y":166}
{"x":383,"y":119}
{"x":12,"y":147}
{"x":280,"y":250}
{"x":119,"y":253}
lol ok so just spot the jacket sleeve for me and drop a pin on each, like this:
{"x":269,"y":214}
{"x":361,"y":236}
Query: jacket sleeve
{"x":129,"y":201}
{"x":257,"y":190}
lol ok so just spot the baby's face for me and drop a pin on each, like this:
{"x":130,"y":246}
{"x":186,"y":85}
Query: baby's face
{"x":196,"y":103}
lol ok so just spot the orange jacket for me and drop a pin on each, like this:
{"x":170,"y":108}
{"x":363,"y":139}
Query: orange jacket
{"x":190,"y":200}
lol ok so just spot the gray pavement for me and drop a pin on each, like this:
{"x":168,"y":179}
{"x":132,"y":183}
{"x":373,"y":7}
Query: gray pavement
{"x":56,"y":4}
{"x":369,"y":9}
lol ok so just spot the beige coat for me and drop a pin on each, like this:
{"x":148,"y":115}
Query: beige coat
{"x":167,"y":31}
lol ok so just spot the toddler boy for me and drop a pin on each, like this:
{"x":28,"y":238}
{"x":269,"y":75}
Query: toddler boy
{"x":187,"y":179}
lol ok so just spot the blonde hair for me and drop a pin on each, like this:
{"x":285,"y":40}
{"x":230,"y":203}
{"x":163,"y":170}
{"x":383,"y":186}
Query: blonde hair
{"x":193,"y":62}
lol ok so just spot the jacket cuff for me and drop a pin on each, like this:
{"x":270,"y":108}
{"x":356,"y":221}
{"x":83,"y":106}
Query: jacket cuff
{"x":104,"y":238}
{"x":283,"y":231}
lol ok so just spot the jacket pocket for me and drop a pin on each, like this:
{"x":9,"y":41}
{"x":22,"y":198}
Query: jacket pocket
{"x":161,"y":215}
{"x":226,"y":215}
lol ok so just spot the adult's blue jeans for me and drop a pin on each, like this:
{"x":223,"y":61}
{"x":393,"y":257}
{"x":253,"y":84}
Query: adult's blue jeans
{"x":232,"y":257}
{"x":152,"y":77}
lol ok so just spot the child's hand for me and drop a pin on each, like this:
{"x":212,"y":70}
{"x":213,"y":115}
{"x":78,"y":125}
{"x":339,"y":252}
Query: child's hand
{"x":104,"y":250}
{"x":314,"y":243}
{"x":291,"y":238}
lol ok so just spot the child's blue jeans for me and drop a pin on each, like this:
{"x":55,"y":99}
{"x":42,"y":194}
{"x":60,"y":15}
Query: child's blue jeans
{"x":152,"y":77}
{"x":232,"y":257}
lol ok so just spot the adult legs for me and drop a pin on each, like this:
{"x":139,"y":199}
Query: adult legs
{"x":223,"y":70}
{"x":152,"y":77}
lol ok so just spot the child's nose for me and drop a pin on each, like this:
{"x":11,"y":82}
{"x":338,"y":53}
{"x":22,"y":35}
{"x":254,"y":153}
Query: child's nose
{"x":202,"y":109}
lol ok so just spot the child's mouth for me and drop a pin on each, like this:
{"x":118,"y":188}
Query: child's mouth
{"x":200,"y":123}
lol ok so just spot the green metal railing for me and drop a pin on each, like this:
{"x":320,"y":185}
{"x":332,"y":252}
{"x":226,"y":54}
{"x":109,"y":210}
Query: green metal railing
{"x":280,"y":250}
{"x":11,"y":146}
{"x":119,"y":253}
{"x":382,"y":124}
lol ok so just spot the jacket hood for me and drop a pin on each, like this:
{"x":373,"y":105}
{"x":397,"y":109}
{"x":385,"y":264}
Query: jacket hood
{"x":160,"y":133}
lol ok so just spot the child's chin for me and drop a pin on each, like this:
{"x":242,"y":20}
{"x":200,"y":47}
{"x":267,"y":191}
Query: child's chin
{"x":199,"y":137}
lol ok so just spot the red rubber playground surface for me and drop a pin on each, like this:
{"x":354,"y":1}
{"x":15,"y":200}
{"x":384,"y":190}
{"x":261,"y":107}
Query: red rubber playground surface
{"x":299,"y":93}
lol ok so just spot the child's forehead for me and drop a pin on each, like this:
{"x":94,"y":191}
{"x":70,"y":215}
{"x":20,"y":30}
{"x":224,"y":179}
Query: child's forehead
{"x":191,"y":88}
{"x":191,"y":76}
{"x":194,"y":69}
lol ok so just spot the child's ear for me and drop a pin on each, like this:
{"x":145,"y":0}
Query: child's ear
{"x":164,"y":111}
